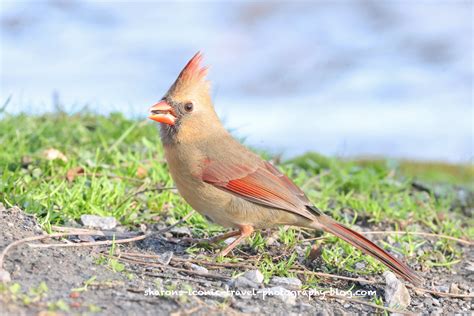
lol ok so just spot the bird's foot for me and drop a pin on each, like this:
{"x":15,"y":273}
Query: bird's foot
{"x":244,"y":232}
{"x":211,"y":240}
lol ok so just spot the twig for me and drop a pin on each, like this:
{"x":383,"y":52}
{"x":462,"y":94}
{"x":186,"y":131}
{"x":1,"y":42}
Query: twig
{"x":88,"y":244}
{"x":216,"y":264}
{"x":104,"y":233}
{"x":388,"y":309}
{"x":203,"y":262}
{"x":158,"y":265}
{"x":154,"y":189}
{"x":334,"y":276}
{"x":313,"y":239}
{"x":68,"y":229}
{"x":110,"y":242}
{"x":41,"y":237}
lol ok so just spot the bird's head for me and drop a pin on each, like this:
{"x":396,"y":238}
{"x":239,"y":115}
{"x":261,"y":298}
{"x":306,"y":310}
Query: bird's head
{"x":187,"y":104}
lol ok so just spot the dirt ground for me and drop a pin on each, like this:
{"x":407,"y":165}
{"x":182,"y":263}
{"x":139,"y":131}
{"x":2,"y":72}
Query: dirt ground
{"x":114,"y":293}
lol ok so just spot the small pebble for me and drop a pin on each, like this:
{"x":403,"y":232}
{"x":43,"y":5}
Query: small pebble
{"x":181,"y":231}
{"x":198,"y":268}
{"x":289,"y":283}
{"x":254,"y":275}
{"x":94,"y":221}
{"x":396,"y":294}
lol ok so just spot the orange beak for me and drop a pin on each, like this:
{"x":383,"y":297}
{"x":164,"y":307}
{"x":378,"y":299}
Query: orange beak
{"x":162,"y":112}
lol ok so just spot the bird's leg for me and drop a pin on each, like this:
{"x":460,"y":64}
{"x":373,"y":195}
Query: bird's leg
{"x":224,"y":236}
{"x":244,"y":232}
{"x":212,"y":239}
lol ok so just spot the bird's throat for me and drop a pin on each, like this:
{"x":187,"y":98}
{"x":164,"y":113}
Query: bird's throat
{"x":169,"y":133}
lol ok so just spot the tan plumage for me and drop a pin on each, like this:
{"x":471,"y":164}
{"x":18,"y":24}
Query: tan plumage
{"x":231,"y":185}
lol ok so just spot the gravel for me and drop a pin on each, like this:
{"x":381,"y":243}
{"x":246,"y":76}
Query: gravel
{"x":65,"y":269}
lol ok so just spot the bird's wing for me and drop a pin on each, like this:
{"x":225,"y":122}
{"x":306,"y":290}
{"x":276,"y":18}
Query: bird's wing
{"x":261,"y":183}
{"x":288,"y":183}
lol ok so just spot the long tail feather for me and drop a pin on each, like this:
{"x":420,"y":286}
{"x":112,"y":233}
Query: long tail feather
{"x":368,"y":247}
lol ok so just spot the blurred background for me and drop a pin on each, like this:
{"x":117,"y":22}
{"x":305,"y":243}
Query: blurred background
{"x":343,"y":78}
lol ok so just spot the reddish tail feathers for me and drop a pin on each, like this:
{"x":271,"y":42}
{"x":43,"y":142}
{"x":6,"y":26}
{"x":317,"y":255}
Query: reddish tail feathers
{"x":368,"y":247}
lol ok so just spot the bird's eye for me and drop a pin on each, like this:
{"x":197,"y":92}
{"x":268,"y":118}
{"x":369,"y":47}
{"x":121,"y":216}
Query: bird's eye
{"x":188,"y":107}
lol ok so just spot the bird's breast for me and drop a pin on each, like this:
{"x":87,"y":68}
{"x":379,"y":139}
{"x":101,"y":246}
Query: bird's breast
{"x":186,"y":169}
{"x":221,"y":207}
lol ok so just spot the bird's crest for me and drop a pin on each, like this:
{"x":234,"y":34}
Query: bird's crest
{"x":193,"y":70}
{"x":191,"y":77}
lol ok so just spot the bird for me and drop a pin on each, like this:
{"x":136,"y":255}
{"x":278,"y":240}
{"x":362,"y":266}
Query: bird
{"x":231,"y":185}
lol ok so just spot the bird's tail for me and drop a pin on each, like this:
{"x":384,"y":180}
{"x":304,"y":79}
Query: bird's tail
{"x":366,"y":246}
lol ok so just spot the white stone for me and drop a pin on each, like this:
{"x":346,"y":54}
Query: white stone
{"x":94,"y":221}
{"x":254,"y":275}
{"x":242,"y":282}
{"x":198,"y":268}
{"x":289,"y":283}
{"x":4,"y":276}
{"x":396,"y":294}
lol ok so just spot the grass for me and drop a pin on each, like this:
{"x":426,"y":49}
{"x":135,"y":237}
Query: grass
{"x":115,"y":166}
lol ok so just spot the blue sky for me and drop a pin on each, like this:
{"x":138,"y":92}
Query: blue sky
{"x":344,"y":78}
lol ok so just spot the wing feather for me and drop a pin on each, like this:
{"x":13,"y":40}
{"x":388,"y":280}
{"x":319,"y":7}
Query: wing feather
{"x":263,"y":184}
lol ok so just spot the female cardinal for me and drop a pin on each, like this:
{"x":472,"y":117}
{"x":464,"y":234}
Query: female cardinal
{"x":229,"y":184}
